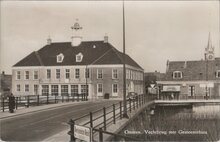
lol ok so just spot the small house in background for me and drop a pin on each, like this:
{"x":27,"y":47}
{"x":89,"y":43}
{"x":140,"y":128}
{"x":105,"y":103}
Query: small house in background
{"x":77,"y":67}
{"x":6,"y":84}
{"x":192,"y":79}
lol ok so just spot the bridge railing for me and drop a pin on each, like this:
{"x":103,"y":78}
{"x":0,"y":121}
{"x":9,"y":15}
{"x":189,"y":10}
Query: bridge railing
{"x":103,"y":117}
{"x":36,"y":100}
{"x":186,"y":97}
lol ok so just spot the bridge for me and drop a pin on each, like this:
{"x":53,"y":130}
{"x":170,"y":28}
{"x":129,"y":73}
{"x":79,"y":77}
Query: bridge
{"x":106,"y":123}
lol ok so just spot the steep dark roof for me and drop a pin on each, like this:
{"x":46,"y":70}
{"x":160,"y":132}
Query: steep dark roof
{"x":94,"y":52}
{"x":194,"y":70}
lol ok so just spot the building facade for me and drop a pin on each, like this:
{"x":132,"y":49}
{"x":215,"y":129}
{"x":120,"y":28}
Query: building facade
{"x":77,"y":67}
{"x":192,"y":79}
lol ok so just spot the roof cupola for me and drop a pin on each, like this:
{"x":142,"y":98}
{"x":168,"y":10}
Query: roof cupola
{"x":76,"y":37}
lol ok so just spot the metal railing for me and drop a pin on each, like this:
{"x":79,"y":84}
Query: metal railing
{"x":102,"y":118}
{"x":37,"y":100}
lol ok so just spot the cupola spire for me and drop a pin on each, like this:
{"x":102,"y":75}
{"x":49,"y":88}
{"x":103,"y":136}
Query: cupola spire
{"x":209,"y":50}
{"x":76,"y":37}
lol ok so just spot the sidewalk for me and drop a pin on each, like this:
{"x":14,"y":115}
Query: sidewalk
{"x":34,"y":109}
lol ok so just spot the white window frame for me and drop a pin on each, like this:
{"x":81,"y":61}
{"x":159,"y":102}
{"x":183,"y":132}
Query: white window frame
{"x":189,"y":90}
{"x":27,"y":75}
{"x":87,"y":73}
{"x":18,"y":87}
{"x":26,"y":88}
{"x":114,"y":74}
{"x":18,"y":73}
{"x":67,"y":73}
{"x":57,"y":73}
{"x":113,"y":91}
{"x":99,"y":73}
{"x":60,"y":58}
{"x":77,"y":73}
{"x":64,"y":90}
{"x":84,"y":89}
{"x":35,"y":73}
{"x":36,"y":90}
{"x":98,"y":87}
{"x":218,"y":74}
{"x":79,"y":57}
{"x":45,"y":91}
{"x":48,"y":73}
{"x":54,"y":90}
{"x":177,"y":72}
{"x":74,"y":88}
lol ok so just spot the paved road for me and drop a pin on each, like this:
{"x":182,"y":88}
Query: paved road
{"x":41,"y":125}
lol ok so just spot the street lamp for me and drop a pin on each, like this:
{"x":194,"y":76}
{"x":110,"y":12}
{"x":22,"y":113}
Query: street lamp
{"x":125,"y":115}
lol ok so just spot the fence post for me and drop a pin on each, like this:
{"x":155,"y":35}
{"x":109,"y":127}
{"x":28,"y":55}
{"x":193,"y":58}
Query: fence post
{"x":130,"y":104}
{"x":28,"y":101}
{"x":104,"y":117}
{"x":134,"y":103}
{"x":91,"y":120}
{"x":38,"y":100}
{"x":16,"y":103}
{"x":120,"y":108}
{"x":71,"y":132}
{"x":100,"y":135}
{"x":3,"y":104}
{"x":137,"y":101}
{"x":47,"y":98}
{"x":113,"y":113}
{"x":62,"y":98}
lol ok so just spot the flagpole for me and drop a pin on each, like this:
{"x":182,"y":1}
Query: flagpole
{"x":125,"y":115}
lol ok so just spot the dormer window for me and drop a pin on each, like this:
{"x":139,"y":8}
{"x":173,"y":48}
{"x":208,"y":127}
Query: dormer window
{"x":218,"y":74}
{"x":177,"y":74}
{"x":79,"y":57}
{"x":60,"y":58}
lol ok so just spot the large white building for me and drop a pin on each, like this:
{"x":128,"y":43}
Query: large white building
{"x":76,"y":67}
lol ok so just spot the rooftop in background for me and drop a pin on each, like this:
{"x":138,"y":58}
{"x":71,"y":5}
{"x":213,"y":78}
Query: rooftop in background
{"x":193,"y":70}
{"x":94,"y":53}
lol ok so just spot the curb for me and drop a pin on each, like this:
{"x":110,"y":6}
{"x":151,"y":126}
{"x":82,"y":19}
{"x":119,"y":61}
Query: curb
{"x":41,"y":110}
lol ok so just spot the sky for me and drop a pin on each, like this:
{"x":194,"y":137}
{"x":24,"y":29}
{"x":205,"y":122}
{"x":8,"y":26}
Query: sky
{"x":155,"y":31}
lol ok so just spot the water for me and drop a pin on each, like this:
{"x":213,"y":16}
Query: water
{"x":177,"y":123}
